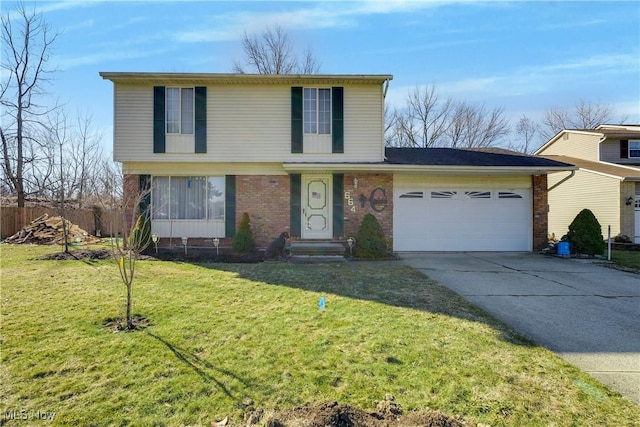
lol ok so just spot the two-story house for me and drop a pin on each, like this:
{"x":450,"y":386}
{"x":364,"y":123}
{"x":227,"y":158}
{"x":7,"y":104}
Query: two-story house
{"x":607,"y":180}
{"x":306,"y":154}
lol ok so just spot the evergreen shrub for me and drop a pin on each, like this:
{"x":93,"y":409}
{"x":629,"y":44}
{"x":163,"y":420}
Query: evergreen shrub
{"x":243,"y":241}
{"x":585,"y":234}
{"x":371,"y":242}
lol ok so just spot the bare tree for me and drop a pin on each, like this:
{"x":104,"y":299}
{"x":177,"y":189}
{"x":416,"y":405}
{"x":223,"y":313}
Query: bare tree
{"x":474,"y":127}
{"x":84,"y":156}
{"x":586,"y":115}
{"x":25,"y":53}
{"x":430,"y":121}
{"x":136,"y":231}
{"x":424,"y":120}
{"x":527,"y":129}
{"x":273,"y":53}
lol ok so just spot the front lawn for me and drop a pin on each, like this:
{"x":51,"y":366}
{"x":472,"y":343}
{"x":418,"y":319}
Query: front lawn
{"x":223,"y":337}
{"x":629,"y":259}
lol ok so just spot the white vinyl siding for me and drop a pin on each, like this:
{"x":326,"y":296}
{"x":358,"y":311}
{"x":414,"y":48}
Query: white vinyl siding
{"x":585,"y":190}
{"x":177,"y":168}
{"x":579,"y":145}
{"x":133,"y":123}
{"x":248,"y":123}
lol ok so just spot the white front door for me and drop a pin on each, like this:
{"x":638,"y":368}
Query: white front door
{"x":317,"y":201}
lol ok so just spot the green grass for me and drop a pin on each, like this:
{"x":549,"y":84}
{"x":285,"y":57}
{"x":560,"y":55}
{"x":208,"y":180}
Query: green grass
{"x":222,"y":333}
{"x":629,"y":259}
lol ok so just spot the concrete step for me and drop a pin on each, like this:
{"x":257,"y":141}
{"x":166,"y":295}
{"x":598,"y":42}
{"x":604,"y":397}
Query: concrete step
{"x":302,"y":250}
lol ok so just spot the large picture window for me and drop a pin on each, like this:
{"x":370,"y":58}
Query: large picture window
{"x":317,"y":111}
{"x":188,"y":197}
{"x":179,"y":110}
{"x":634,"y":149}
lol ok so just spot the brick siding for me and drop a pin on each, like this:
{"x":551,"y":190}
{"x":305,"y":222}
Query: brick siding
{"x":366,"y":184}
{"x":266,"y":199}
{"x":540,"y":212}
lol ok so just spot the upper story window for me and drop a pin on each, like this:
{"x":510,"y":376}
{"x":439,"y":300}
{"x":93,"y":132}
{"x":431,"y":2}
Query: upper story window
{"x":317,"y":111}
{"x":634,"y":149}
{"x":179,"y":110}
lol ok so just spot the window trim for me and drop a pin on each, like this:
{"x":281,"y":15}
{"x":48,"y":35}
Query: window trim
{"x":636,"y":150}
{"x":329,"y":113}
{"x":180,"y":89}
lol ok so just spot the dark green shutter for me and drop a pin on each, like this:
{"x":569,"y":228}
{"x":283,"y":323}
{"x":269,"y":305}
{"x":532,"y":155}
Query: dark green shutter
{"x":145,"y":192}
{"x":230,"y":206}
{"x":296,"y":120}
{"x":296,"y":204}
{"x":337,"y":120}
{"x":338,"y":205}
{"x":624,"y":148}
{"x":201,"y":119}
{"x":159,"y":131}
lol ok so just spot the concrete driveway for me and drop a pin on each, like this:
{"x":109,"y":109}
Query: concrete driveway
{"x":587,"y":313}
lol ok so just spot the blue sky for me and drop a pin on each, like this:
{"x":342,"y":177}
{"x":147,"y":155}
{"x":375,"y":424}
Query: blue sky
{"x":522,"y":56}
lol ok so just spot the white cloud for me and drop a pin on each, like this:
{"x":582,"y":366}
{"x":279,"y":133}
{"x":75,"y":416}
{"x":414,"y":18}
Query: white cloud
{"x":107,"y":56}
{"x":231,"y":26}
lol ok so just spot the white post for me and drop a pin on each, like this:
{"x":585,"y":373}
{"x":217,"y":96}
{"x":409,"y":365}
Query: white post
{"x":609,"y":245}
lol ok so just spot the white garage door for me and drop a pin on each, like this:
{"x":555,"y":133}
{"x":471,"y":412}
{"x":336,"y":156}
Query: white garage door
{"x":459,"y":219}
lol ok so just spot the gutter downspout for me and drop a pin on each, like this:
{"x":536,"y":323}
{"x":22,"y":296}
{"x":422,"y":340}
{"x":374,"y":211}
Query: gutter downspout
{"x":385,"y":88}
{"x":566,"y":178}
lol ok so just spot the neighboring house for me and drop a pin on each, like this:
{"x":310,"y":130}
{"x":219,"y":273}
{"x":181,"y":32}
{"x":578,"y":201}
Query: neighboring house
{"x":305,"y":154}
{"x":607,"y":180}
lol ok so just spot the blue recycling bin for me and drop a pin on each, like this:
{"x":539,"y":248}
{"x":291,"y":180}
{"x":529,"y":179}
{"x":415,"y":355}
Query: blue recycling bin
{"x":564,"y":249}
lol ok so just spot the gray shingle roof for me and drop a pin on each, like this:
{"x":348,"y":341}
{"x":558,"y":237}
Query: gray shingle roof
{"x":460,"y":157}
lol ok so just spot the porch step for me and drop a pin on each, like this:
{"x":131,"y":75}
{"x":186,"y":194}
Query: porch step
{"x":306,"y":251}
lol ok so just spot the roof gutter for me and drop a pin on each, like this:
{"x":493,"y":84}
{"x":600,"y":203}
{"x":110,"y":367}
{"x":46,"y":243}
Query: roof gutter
{"x":424,"y":169}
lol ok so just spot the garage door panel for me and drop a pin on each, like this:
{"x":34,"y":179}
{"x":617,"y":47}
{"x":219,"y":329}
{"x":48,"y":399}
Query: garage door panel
{"x":459,"y":219}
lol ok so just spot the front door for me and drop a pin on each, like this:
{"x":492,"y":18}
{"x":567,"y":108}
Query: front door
{"x":316,"y":207}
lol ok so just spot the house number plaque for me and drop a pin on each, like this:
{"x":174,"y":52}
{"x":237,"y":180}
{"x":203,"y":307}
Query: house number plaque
{"x":350,"y":202}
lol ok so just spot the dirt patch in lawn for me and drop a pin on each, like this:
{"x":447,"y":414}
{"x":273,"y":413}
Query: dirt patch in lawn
{"x":78,"y":254}
{"x":195,"y":256}
{"x":387,"y":414}
{"x":120,"y":325}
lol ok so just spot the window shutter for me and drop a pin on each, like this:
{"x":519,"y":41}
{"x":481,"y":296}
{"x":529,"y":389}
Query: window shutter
{"x":624,"y":148}
{"x":337,"y":120}
{"x":296,"y":120}
{"x":200,"y":119}
{"x":296,"y":204}
{"x":230,"y":205}
{"x":338,"y":205}
{"x":145,"y":191}
{"x":159,"y":131}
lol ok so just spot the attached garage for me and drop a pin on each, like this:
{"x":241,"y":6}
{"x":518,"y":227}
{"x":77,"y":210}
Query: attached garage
{"x":432,"y":216}
{"x":468,"y":200}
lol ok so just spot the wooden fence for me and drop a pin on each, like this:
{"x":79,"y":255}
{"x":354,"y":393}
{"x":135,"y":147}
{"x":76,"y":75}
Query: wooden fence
{"x":12,"y":219}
